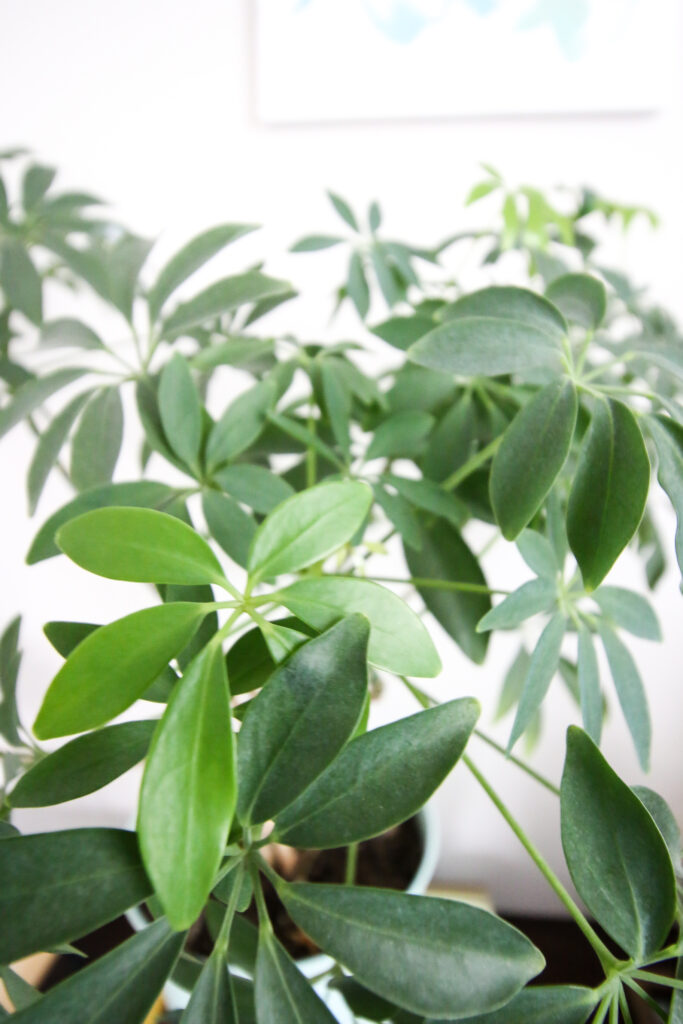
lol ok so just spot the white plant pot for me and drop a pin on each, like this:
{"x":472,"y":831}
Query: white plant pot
{"x":177,"y":998}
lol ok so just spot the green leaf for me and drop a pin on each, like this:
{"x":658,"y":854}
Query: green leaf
{"x":513,"y":684}
{"x":241,"y":423}
{"x":629,"y":611}
{"x":58,"y":886}
{"x":664,"y":819}
{"x":357,"y":285}
{"x":189,"y":259}
{"x":35,"y":184}
{"x":68,"y":333}
{"x":454,"y":440}
{"x":398,"y":642}
{"x":20,"y":992}
{"x":180,"y":410}
{"x":10,"y":659}
{"x":403,"y":434}
{"x":226,"y":887}
{"x":139,"y":545}
{"x":313,"y":243}
{"x":150,"y":419}
{"x":7,"y":831}
{"x":561,"y":1004}
{"x":605,"y":824}
{"x":532,"y":453}
{"x":222,"y":297}
{"x":190,"y":767}
{"x":31,"y":395}
{"x":581,"y":298}
{"x":403,"y":331}
{"x":609,"y":491}
{"x":49,"y":445}
{"x":410,"y":949}
{"x":538,"y":553}
{"x":113,"y":667}
{"x":480,"y":190}
{"x":389,"y":286}
{"x":428,"y":496}
{"x":338,"y":403}
{"x":676,"y":1011}
{"x":20,"y":281}
{"x":630,"y":691}
{"x":121,"y":986}
{"x":97,"y":441}
{"x":668,"y":438}
{"x":308,"y":527}
{"x":252,"y":354}
{"x":509,"y":303}
{"x":83,"y":765}
{"x":343,"y":209}
{"x":124,"y":263}
{"x":487,"y":346}
{"x":530,"y":599}
{"x":542,"y":668}
{"x":302,"y":719}
{"x":373,"y":785}
{"x":374,"y":216}
{"x":444,"y":555}
{"x":589,"y":685}
{"x":281,"y":991}
{"x":212,"y":1000}
{"x":229,"y":525}
{"x":399,"y":512}
{"x":255,"y":486}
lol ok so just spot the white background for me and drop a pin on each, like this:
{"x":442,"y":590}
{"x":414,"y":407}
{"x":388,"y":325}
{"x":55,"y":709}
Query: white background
{"x":152,"y":105}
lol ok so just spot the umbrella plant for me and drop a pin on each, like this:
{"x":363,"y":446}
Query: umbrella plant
{"x":262,"y":528}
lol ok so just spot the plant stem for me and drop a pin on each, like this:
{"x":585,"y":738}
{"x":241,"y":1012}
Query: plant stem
{"x":419,"y":581}
{"x":658,"y":979}
{"x":639,"y":991}
{"x":311,"y":461}
{"x":477,"y":460}
{"x":623,"y":1002}
{"x":351,"y":864}
{"x":420,"y":696}
{"x":263,"y":915}
{"x":606,"y":958}
{"x":518,"y":762}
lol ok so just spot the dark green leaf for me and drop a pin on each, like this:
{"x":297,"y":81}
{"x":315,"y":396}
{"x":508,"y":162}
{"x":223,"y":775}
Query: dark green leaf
{"x":121,"y":986}
{"x":357,"y":285}
{"x":68,"y":333}
{"x":453,"y":441}
{"x":410,"y":949}
{"x":226,"y":887}
{"x":229,"y":525}
{"x":225,"y":295}
{"x":403,"y":331}
{"x":49,"y":446}
{"x":629,"y":611}
{"x":542,"y":668}
{"x":20,"y":992}
{"x":59,"y":886}
{"x":487,"y":346}
{"x":255,"y":486}
{"x":343,"y":209}
{"x":372,"y":785}
{"x":313,"y":243}
{"x":7,"y":831}
{"x":249,"y":662}
{"x":240,"y":424}
{"x":10,"y":659}
{"x":668,"y":438}
{"x":35,"y":184}
{"x":403,"y":434}
{"x":190,"y":767}
{"x":399,"y":512}
{"x":97,"y":441}
{"x":83,"y":765}
{"x":281,"y":991}
{"x":589,"y":686}
{"x":19,"y":280}
{"x":32,"y":394}
{"x":604,"y":824}
{"x":302,"y":719}
{"x":630,"y":691}
{"x":190,"y":258}
{"x":444,"y":555}
{"x":530,"y":599}
{"x":399,"y":641}
{"x":361,"y":1001}
{"x":664,"y":819}
{"x":212,"y":1000}
{"x":180,"y":410}
{"x":609,"y":491}
{"x":124,"y":263}
{"x":337,"y":402}
{"x":581,"y":298}
{"x":428,"y":496}
{"x":113,"y":667}
{"x":140,"y":545}
{"x":566,"y":1004}
{"x":533,"y":451}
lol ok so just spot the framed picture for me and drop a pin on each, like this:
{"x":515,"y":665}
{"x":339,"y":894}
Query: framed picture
{"x":328,"y":60}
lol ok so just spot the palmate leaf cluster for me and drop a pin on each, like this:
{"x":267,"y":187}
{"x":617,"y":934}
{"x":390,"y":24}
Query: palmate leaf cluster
{"x":541,"y":413}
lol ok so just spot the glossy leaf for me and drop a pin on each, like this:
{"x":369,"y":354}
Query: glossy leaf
{"x":403,"y":435}
{"x":668,"y":438}
{"x":113,"y":667}
{"x":180,"y":410}
{"x":83,"y":765}
{"x":308,"y":527}
{"x":222,"y":297}
{"x":630,"y":691}
{"x":302,"y":719}
{"x":190,"y":767}
{"x":97,"y":441}
{"x":533,"y":451}
{"x":212,"y":1000}
{"x":121,"y":986}
{"x":542,"y":668}
{"x":589,"y":686}
{"x":49,"y":446}
{"x":561,"y":1004}
{"x":19,"y":280}
{"x":140,"y":545}
{"x":69,"y":333}
{"x":410,"y":949}
{"x":581,"y":298}
{"x":444,"y":555}
{"x":229,"y":525}
{"x":372,"y":785}
{"x":58,"y":886}
{"x":281,"y":991}
{"x":398,"y":642}
{"x":255,"y":486}
{"x":31,"y":395}
{"x":629,"y":611}
{"x":530,"y":599}
{"x":605,"y":824}
{"x":609,"y":491}
{"x":189,"y":259}
{"x":241,"y":423}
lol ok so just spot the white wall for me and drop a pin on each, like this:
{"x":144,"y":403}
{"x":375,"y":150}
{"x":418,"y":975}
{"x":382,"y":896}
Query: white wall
{"x":150,"y":104}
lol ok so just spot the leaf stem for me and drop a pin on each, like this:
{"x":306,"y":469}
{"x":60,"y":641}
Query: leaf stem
{"x":224,"y":934}
{"x":477,"y":460}
{"x":263,"y":915}
{"x":351,"y":864}
{"x":518,"y":762}
{"x":419,"y":581}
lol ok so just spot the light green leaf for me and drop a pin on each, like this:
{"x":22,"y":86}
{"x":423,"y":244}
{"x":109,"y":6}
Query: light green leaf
{"x":668,"y":438}
{"x":629,"y":611}
{"x":542,"y":668}
{"x":338,"y":404}
{"x":581,"y":298}
{"x":29,"y":396}
{"x":609,"y":491}
{"x":83,"y":765}
{"x":58,"y":886}
{"x":255,"y":486}
{"x":49,"y":446}
{"x":180,"y":410}
{"x":10,"y":659}
{"x":589,"y":686}
{"x":411,"y":949}
{"x":124,"y":263}
{"x":97,"y":441}
{"x":513,"y":684}
{"x":113,"y":667}
{"x":19,"y":280}
{"x":313,"y":243}
{"x":229,"y":525}
{"x":630,"y":691}
{"x":281,"y":991}
{"x":403,"y":434}
{"x":121,"y":986}
{"x":302,"y":719}
{"x":222,"y":297}
{"x":533,"y":451}
{"x":189,"y":259}
{"x":212,"y":1000}
{"x":559,"y":1004}
{"x":190,"y":768}
{"x":240,"y":424}
{"x":389,"y":286}
{"x":444,"y":555}
{"x":530,"y":599}
{"x":403,"y":331}
{"x":68,"y":333}
{"x":509,"y":303}
{"x":139,"y":545}
{"x":374,"y":216}
{"x":308,"y":527}
{"x":480,"y":190}
{"x":538,"y":553}
{"x":373,"y":785}
{"x":399,"y":512}
{"x":252,"y":354}
{"x":399,"y":641}
{"x":343,"y":209}
{"x":357,"y":285}
{"x":35,"y":184}
{"x":605,"y":824}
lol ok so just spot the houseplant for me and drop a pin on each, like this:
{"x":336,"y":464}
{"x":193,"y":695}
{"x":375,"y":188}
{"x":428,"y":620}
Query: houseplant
{"x":539,"y":415}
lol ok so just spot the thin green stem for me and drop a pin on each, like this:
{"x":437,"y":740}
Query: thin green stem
{"x":608,"y":365}
{"x":263,"y":915}
{"x":226,"y":629}
{"x":419,"y":581}
{"x":477,"y":460}
{"x":583,"y":351}
{"x":658,"y":979}
{"x":645,"y":996}
{"x":423,"y":699}
{"x":518,"y":762}
{"x":623,"y":1002}
{"x":614,"y":1009}
{"x":602,"y":1010}
{"x":311,"y":455}
{"x":606,"y":958}
{"x":351,"y":864}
